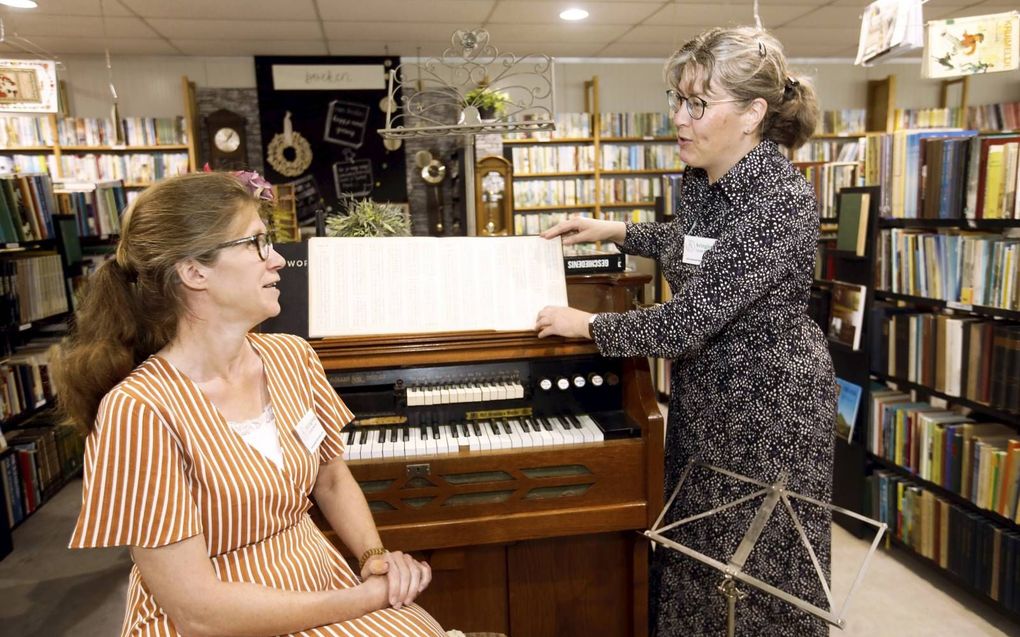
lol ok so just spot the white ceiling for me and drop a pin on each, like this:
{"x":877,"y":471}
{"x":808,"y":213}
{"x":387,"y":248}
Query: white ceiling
{"x":617,"y":28}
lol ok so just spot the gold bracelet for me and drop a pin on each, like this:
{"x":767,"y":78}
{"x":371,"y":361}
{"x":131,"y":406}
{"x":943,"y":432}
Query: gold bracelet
{"x":370,"y":553}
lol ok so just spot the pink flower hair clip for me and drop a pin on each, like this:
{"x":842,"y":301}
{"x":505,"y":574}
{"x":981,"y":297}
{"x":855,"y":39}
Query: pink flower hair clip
{"x":254,"y":182}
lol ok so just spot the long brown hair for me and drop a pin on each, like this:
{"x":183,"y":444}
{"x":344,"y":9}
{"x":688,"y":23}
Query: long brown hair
{"x":749,"y":63}
{"x":131,"y":305}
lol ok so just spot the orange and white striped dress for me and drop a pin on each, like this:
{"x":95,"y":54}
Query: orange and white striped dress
{"x":163,"y":465}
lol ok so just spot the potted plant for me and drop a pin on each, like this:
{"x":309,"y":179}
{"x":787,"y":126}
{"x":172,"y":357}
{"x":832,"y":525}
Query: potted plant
{"x":489,"y":102}
{"x":367,"y":218}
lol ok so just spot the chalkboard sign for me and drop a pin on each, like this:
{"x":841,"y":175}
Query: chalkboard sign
{"x":340,"y":126}
{"x":345,"y":123}
{"x":353,"y":178}
{"x":306,"y":197}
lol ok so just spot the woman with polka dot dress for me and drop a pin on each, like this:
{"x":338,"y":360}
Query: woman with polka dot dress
{"x":752,"y":382}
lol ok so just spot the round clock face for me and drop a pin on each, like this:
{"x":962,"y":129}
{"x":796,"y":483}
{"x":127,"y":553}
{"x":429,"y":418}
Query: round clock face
{"x":227,"y":140}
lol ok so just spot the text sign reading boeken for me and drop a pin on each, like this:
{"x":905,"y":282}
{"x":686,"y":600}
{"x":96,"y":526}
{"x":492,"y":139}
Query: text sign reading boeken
{"x":328,"y":77}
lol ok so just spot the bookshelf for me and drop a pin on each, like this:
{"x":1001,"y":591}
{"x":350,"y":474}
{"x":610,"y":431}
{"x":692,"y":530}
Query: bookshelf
{"x":606,"y":165}
{"x":138,"y":162}
{"x":905,"y":467}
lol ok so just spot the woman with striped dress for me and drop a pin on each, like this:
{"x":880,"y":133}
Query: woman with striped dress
{"x":205,"y":440}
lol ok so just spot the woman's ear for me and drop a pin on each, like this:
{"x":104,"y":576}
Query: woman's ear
{"x":754,"y":114}
{"x":193,"y":274}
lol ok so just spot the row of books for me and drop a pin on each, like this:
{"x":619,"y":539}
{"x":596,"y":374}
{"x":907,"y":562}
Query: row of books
{"x":636,"y":125}
{"x":42,"y":457}
{"x":998,"y":117}
{"x":955,"y":355}
{"x":135,"y":131}
{"x":32,"y":284}
{"x":978,"y":461}
{"x":96,"y":207}
{"x":551,"y":159}
{"x":827,"y":180}
{"x":641,"y":157}
{"x":629,"y":189}
{"x":954,"y":117}
{"x":951,"y":265}
{"x":633,"y":215}
{"x":134,"y":168}
{"x":26,"y":130}
{"x":27,"y":206}
{"x":980,"y":552}
{"x":671,"y":189}
{"x":37,"y":163}
{"x":1004,"y":116}
{"x":945,"y":174}
{"x":554,"y":192}
{"x":846,"y":121}
{"x":835,"y":150}
{"x":25,"y":381}
{"x":536,"y":223}
{"x":568,"y":126}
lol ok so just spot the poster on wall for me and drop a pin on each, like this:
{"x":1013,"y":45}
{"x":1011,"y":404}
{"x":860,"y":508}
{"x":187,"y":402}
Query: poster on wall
{"x":28,"y":86}
{"x":318,"y":117}
{"x":966,"y":46}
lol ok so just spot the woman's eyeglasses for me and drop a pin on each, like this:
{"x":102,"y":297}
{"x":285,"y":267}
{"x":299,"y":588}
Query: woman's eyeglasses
{"x":695,"y":105}
{"x":262,"y":241}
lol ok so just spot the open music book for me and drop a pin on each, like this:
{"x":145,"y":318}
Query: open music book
{"x":409,"y":285}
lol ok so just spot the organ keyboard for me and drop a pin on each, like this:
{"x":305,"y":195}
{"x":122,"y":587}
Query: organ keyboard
{"x":497,"y":456}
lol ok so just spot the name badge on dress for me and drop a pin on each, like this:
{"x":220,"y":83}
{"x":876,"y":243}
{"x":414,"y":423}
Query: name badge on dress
{"x":310,"y":431}
{"x":695,"y":248}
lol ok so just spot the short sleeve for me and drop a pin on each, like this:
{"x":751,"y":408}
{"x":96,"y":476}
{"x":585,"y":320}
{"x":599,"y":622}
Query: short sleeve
{"x":136,"y":490}
{"x":331,"y":411}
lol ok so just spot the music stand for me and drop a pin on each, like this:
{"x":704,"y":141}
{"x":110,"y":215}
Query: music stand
{"x":732,"y":569}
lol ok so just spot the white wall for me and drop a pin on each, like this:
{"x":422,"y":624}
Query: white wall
{"x":151,"y":86}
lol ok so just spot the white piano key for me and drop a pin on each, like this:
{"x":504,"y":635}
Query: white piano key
{"x":526,"y":437}
{"x":444,"y":395}
{"x":498,"y":438}
{"x":501,"y":391}
{"x":593,"y":427}
{"x":518,"y":390}
{"x":414,"y":396}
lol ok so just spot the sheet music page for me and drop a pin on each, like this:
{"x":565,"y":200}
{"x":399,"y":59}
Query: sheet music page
{"x":409,"y":285}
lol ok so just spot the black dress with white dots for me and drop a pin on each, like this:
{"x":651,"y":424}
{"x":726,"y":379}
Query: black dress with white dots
{"x":753,"y":391}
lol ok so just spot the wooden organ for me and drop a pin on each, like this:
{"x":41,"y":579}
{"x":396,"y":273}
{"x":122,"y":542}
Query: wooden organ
{"x":520,"y":468}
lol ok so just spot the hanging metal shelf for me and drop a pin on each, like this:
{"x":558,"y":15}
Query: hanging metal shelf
{"x":444,"y":98}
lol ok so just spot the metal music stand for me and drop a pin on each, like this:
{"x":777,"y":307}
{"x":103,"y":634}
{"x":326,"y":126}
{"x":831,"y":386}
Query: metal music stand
{"x":732,"y":569}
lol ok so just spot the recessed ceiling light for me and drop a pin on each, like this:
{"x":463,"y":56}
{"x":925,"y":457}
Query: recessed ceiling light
{"x":20,"y":4}
{"x":574,"y":14}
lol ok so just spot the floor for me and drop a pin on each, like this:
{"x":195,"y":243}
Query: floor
{"x":49,"y":590}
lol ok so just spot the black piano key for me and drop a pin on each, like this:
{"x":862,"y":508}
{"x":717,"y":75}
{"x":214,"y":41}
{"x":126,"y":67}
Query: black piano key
{"x":507,"y":428}
{"x":465,"y":429}
{"x":563,"y":423}
{"x":478,"y":430}
{"x":423,"y":432}
{"x":406,"y":433}
{"x":435,"y":431}
{"x":494,"y":427}
{"x":574,"y":421}
{"x":382,"y":434}
{"x":526,"y":425}
{"x":393,"y":434}
{"x":363,"y":438}
{"x":545,"y":424}
{"x":350,"y":436}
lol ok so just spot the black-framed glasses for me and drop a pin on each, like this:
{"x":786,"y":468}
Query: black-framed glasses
{"x":695,"y":105}
{"x":262,"y":241}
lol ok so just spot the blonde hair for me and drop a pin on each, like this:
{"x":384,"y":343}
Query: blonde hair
{"x":131,"y":305}
{"x":748,"y":64}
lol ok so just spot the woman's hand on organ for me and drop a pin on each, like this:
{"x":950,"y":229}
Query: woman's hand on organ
{"x":585,"y":230}
{"x":562,"y":321}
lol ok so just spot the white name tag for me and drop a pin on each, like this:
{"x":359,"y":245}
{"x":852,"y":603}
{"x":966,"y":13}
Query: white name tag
{"x":695,"y":248}
{"x":310,"y":432}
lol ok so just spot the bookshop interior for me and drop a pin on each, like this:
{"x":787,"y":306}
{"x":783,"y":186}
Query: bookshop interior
{"x":285,"y":291}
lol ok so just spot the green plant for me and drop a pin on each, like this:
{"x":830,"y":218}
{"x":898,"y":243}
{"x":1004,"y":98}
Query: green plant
{"x":485,"y":99}
{"x":366,"y":218}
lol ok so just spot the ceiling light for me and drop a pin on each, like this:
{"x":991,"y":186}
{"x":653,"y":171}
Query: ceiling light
{"x":20,"y":4}
{"x":574,"y":14}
